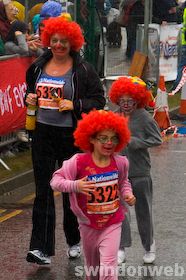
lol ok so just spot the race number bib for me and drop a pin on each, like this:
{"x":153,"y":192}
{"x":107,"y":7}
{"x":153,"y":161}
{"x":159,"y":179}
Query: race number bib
{"x":45,"y":90}
{"x":104,"y":199}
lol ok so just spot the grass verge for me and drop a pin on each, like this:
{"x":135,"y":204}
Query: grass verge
{"x":18,"y":164}
{"x":173,"y":101}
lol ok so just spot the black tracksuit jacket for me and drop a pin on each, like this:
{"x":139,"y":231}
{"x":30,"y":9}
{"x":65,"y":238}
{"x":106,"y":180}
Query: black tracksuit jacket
{"x":88,"y":92}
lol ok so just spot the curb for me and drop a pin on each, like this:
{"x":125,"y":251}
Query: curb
{"x":16,"y":182}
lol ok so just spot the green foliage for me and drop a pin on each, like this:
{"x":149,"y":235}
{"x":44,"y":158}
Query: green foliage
{"x":18,"y":164}
{"x":174,"y":100}
{"x":2,"y":49}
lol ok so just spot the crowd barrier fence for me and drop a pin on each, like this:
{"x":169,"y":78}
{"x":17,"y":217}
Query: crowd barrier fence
{"x":12,"y":92}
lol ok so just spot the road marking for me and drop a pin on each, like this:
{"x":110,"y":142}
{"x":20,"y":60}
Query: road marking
{"x":17,"y":212}
{"x":27,"y":198}
{"x":10,"y":215}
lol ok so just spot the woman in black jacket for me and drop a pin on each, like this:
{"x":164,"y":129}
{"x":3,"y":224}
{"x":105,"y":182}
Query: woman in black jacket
{"x":63,"y":86}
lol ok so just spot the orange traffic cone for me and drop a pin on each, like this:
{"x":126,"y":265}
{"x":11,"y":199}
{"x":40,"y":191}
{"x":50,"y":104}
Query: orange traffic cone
{"x":161,"y":110}
{"x":182,"y":109}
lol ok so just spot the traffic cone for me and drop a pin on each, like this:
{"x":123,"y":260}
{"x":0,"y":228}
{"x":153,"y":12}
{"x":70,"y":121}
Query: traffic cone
{"x":161,"y":110}
{"x":182,"y":109}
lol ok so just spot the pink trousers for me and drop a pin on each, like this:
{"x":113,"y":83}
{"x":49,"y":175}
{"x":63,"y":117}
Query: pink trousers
{"x":100,"y":251}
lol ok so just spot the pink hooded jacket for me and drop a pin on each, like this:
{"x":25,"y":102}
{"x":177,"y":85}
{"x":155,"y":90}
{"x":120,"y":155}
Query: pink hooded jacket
{"x":64,"y":180}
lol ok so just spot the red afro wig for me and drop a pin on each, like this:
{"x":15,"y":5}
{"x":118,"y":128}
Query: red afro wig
{"x":132,"y":86}
{"x":70,"y":29}
{"x":97,"y":121}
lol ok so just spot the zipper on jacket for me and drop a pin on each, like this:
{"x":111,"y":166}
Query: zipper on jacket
{"x":73,"y":94}
{"x":39,"y":74}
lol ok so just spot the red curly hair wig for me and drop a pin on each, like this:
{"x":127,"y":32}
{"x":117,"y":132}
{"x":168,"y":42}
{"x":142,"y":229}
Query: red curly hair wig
{"x":70,"y":29}
{"x":97,"y":121}
{"x":132,"y":86}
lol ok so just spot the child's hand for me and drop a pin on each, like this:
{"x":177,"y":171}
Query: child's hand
{"x":85,"y":186}
{"x":130,"y":199}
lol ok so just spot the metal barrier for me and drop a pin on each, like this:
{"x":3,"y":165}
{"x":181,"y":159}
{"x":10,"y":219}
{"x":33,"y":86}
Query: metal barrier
{"x":115,"y":62}
{"x":5,"y":57}
{"x":6,"y":140}
{"x":10,"y":137}
{"x":162,"y":52}
{"x":115,"y":65}
{"x":152,"y":71}
{"x":163,"y":45}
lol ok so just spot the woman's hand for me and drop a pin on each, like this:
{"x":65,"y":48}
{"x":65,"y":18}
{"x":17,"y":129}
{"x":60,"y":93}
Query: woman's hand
{"x":31,"y":99}
{"x":65,"y":105}
{"x":34,"y":44}
{"x":84,"y":186}
{"x":17,"y":33}
{"x":130,"y":199}
{"x":164,"y":22}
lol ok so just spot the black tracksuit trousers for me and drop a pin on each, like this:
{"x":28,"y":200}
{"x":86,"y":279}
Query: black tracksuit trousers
{"x":50,"y":145}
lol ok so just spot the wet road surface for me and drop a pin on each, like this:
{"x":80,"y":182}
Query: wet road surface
{"x":169,"y":177}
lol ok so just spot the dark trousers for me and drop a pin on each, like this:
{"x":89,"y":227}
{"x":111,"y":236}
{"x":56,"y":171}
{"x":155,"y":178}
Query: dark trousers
{"x":131,"y":41}
{"x":50,"y":144}
{"x":142,"y":189}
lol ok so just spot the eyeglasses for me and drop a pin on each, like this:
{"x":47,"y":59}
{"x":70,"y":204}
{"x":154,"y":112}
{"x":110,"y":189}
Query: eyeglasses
{"x":105,"y":139}
{"x":63,"y":42}
{"x":129,"y":102}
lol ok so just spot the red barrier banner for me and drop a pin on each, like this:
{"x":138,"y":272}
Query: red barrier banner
{"x":12,"y":92}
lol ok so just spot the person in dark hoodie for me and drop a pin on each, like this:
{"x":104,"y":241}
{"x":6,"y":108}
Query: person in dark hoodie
{"x":63,"y":86}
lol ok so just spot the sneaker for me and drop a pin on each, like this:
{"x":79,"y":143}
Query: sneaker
{"x":150,"y":256}
{"x":121,"y":257}
{"x":38,"y":257}
{"x":74,"y":251}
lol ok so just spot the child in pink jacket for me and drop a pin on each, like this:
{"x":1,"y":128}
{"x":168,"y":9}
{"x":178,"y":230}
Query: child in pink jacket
{"x":97,"y":181}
